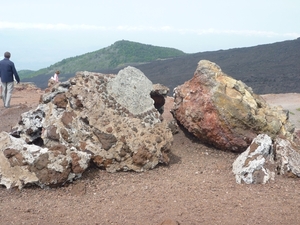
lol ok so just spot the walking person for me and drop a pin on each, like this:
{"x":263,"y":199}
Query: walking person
{"x":8,"y":73}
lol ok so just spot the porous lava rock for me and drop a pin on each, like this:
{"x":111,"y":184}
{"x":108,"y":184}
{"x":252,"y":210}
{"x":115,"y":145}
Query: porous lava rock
{"x":225,"y":112}
{"x":22,"y":163}
{"x":105,"y":119}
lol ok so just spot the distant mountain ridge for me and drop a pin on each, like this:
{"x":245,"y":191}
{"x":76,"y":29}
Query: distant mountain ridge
{"x":116,"y":55}
{"x":270,"y":68}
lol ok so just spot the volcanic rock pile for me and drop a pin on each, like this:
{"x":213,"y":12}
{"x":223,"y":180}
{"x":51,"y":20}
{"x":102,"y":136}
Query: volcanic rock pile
{"x":107,"y":120}
{"x":115,"y":123}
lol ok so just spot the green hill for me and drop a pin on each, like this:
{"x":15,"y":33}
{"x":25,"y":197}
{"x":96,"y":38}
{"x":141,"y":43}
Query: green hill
{"x":114,"y":56}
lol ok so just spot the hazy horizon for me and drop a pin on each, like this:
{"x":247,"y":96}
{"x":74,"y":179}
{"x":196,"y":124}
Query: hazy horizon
{"x":41,"y":33}
{"x":143,"y":43}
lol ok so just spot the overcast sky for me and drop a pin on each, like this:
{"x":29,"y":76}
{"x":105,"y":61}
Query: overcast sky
{"x":41,"y":33}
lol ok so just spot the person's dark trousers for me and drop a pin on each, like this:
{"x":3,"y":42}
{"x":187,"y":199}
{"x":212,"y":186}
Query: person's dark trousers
{"x":7,"y":89}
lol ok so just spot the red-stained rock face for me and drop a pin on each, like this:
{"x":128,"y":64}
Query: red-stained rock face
{"x":224,"y":112}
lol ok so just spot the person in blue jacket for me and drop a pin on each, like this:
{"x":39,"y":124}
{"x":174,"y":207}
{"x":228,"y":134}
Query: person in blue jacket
{"x":8,"y":74}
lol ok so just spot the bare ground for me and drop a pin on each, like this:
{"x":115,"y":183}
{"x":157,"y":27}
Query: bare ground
{"x":197,"y":187}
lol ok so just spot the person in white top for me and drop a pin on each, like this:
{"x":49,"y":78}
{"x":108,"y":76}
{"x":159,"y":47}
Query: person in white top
{"x":55,"y":76}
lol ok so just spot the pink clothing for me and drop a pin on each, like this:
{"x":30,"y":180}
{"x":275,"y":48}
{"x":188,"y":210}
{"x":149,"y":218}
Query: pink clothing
{"x":55,"y":77}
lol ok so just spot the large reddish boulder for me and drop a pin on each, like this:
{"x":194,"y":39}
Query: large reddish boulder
{"x":224,"y":112}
